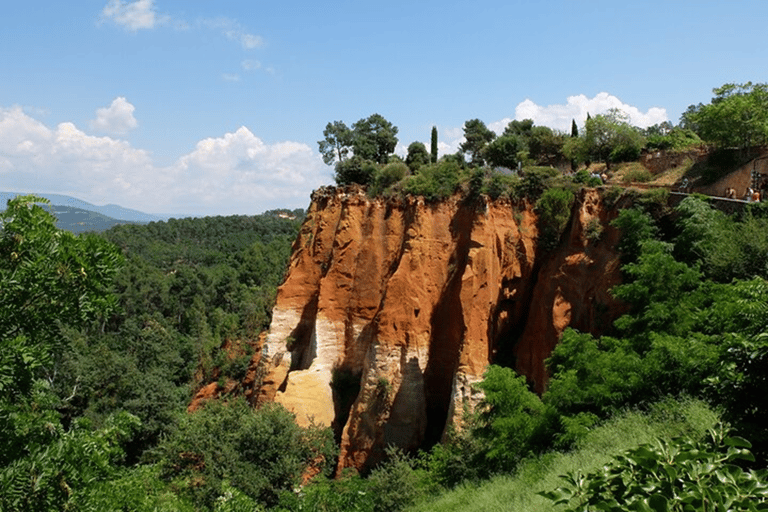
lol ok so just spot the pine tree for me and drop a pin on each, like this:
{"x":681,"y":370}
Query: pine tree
{"x":434,"y":144}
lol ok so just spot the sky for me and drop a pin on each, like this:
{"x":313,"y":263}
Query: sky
{"x":195,"y":107}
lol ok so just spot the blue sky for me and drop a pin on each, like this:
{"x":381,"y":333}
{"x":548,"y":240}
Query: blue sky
{"x":215,"y":108}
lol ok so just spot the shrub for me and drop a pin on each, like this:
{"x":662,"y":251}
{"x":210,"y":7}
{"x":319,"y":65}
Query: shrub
{"x":258,"y":452}
{"x":355,"y":170}
{"x":500,"y":184}
{"x":682,"y":474}
{"x":435,"y":181}
{"x":389,"y":175}
{"x":554,"y":211}
{"x":637,"y":175}
{"x":593,"y":230}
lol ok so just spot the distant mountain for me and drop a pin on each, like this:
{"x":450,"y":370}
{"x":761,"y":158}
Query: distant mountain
{"x":78,"y":220}
{"x":78,"y":216}
{"x":111,"y":210}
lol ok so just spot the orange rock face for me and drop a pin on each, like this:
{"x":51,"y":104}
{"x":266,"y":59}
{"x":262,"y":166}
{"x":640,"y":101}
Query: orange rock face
{"x":391,"y":311}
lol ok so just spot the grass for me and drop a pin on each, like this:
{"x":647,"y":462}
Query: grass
{"x":674,"y":174}
{"x":517,"y":492}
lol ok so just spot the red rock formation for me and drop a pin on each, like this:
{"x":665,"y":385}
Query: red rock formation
{"x":403,"y":304}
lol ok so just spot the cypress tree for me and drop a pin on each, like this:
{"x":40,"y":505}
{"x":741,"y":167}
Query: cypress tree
{"x":574,"y":128}
{"x":434,"y":144}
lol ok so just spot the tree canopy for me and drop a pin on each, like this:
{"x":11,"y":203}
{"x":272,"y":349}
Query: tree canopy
{"x":736,"y":117}
{"x":476,"y":136}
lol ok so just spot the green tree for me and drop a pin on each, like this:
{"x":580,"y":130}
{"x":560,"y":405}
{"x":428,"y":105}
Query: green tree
{"x":433,"y":145}
{"x":49,"y":280}
{"x":504,"y":151}
{"x":355,"y":170}
{"x":476,"y":136}
{"x":610,"y":138}
{"x":574,"y":128}
{"x":337,"y":142}
{"x":374,"y":138}
{"x":417,"y":156}
{"x":736,"y":117}
{"x":260,"y":452}
{"x":512,"y":420}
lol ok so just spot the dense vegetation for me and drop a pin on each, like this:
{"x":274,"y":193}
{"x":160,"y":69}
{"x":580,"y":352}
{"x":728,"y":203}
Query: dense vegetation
{"x":105,"y":338}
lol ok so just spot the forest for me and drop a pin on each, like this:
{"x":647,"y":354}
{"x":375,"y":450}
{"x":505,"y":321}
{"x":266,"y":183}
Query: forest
{"x":106,"y":337}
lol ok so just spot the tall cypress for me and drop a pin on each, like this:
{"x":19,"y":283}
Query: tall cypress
{"x":434,"y":144}
{"x":574,"y":128}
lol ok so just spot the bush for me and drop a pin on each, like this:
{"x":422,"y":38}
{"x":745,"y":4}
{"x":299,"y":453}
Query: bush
{"x":554,"y":211}
{"x":636,"y":175}
{"x":355,"y":170}
{"x":258,"y":452}
{"x":435,"y":181}
{"x":389,"y":175}
{"x":681,"y":474}
{"x":534,"y":181}
{"x":498,"y":184}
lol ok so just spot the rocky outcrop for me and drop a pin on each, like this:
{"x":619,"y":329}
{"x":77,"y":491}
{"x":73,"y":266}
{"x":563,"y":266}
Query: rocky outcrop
{"x":392,"y":309}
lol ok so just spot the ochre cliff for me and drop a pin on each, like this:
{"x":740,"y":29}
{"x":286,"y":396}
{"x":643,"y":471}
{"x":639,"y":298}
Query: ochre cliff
{"x":392,"y":309}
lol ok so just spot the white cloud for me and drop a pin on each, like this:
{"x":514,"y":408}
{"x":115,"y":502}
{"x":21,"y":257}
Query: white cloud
{"x":558,"y":117}
{"x":233,"y":31}
{"x":250,"y":64}
{"x":236,"y":173}
{"x":231,"y":77}
{"x":132,"y":16}
{"x":117,"y":118}
{"x":576,"y":107}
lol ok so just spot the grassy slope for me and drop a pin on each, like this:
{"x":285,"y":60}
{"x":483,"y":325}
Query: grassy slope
{"x":518,"y":492}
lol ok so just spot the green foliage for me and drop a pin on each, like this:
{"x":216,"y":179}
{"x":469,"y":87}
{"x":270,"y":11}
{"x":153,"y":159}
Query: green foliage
{"x":398,"y":482}
{"x":678,"y":475}
{"x":608,"y":138}
{"x":636,"y":175}
{"x":355,"y":170}
{"x":388,"y":177}
{"x":554,"y":211}
{"x":348,"y":493}
{"x":498,"y":184}
{"x":599,"y":444}
{"x":724,"y":246}
{"x":534,"y":182}
{"x":585,"y":177}
{"x":433,"y":145}
{"x":737,"y":116}
{"x":636,"y":228}
{"x":417,"y":156}
{"x":258,"y":452}
{"x":512,"y":421}
{"x":374,"y":138}
{"x":57,"y":468}
{"x":49,"y":278}
{"x":337,"y":142}
{"x":435,"y":181}
{"x":476,"y":136}
{"x":504,"y":151}
{"x":674,"y":139}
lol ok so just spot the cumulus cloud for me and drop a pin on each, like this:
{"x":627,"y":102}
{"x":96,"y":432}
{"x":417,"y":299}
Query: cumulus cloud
{"x":236,"y":173}
{"x":116,"y":118}
{"x":576,"y":107}
{"x":132,"y":16}
{"x":559,"y":117}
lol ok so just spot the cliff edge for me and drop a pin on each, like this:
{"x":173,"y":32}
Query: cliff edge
{"x":392,"y":309}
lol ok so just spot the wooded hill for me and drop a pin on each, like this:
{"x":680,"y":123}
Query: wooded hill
{"x":105,"y":337}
